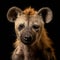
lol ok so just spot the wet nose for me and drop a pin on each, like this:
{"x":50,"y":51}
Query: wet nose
{"x":27,"y":38}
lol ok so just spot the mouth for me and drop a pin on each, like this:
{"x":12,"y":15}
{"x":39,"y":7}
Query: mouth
{"x":27,"y":42}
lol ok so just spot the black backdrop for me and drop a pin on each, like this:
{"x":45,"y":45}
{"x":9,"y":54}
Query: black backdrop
{"x":7,"y":33}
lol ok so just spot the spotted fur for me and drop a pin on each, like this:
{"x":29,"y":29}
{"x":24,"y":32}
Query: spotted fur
{"x":41,"y":48}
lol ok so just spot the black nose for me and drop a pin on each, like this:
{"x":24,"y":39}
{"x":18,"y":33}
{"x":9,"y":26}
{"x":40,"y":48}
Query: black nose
{"x":27,"y":38}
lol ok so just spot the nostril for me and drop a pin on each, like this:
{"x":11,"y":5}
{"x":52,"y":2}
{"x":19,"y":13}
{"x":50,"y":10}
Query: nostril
{"x":28,"y":38}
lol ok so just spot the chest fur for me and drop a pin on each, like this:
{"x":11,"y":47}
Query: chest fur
{"x":27,"y":53}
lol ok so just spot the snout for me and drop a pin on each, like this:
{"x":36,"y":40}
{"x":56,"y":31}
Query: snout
{"x":27,"y":38}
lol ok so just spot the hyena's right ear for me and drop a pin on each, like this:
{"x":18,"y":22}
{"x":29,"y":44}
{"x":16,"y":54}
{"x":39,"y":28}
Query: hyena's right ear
{"x":12,"y":13}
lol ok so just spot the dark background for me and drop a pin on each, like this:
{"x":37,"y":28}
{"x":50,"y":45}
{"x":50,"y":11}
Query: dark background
{"x":7,"y":33}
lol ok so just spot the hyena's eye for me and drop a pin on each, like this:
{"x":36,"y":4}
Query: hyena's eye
{"x":35,"y":26}
{"x":21,"y":26}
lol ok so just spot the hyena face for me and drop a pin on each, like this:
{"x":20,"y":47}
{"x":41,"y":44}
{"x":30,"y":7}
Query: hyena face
{"x":29,"y":26}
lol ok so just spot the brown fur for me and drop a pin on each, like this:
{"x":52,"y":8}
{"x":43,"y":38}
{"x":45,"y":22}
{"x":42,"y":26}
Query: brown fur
{"x":29,"y":11}
{"x":42,"y":43}
{"x":46,"y":41}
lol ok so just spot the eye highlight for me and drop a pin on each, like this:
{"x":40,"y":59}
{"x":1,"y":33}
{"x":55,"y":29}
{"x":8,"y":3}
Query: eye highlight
{"x":21,"y":26}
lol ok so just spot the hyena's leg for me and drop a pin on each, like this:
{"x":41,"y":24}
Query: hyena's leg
{"x":18,"y":54}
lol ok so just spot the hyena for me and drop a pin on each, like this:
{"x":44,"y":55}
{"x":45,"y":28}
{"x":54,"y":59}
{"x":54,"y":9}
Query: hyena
{"x":32,"y":42}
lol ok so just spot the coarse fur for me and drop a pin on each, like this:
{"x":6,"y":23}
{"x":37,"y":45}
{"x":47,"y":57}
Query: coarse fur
{"x":45,"y":45}
{"x":41,"y":48}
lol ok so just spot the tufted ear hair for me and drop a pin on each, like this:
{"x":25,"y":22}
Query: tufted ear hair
{"x":46,"y":14}
{"x":12,"y":13}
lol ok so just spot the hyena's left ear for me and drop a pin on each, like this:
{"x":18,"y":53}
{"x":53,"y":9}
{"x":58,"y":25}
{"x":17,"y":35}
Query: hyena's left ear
{"x":12,"y":13}
{"x":46,"y":14}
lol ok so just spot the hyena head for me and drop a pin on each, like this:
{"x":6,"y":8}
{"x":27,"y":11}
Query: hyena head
{"x":29,"y":23}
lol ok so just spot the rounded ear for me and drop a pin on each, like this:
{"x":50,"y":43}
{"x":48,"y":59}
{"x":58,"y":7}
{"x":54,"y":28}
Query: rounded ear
{"x":12,"y":13}
{"x":46,"y":14}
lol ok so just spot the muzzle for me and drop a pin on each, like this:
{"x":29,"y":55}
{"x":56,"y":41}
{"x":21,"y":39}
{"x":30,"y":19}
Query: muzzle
{"x":27,"y":37}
